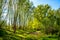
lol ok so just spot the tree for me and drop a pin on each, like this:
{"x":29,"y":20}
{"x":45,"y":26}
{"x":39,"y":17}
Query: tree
{"x":41,"y":12}
{"x":20,"y":13}
{"x":1,"y":4}
{"x":25,"y":12}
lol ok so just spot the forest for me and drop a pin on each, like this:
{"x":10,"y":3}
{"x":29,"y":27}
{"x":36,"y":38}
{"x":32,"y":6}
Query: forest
{"x":21,"y":20}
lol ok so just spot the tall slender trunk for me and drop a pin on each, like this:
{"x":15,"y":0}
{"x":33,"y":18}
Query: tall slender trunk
{"x":15,"y":20}
{"x":14,"y":24}
{"x":15,"y":16}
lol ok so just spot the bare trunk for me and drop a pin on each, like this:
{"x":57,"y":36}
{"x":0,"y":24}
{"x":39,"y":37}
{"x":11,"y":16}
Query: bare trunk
{"x":14,"y":27}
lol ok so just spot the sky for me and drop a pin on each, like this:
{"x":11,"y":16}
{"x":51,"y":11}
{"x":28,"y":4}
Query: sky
{"x":55,"y":4}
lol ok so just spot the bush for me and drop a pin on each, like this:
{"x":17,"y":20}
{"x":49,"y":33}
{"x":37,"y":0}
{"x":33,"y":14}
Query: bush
{"x":51,"y":30}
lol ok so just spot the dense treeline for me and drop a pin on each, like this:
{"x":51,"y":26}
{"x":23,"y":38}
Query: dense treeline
{"x":21,"y":14}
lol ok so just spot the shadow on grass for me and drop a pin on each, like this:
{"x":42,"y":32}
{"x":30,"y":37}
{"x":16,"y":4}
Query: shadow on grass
{"x":3,"y":33}
{"x":5,"y":36}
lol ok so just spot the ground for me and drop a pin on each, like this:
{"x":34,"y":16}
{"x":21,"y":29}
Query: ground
{"x":24,"y":35}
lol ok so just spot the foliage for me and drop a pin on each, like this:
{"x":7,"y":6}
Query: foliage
{"x":29,"y":22}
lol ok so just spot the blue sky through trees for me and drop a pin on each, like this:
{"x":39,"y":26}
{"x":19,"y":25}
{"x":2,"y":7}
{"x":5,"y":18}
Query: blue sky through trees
{"x":55,"y":4}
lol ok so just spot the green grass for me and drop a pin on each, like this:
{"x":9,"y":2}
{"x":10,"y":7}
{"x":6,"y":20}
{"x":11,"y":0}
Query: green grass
{"x":22,"y":35}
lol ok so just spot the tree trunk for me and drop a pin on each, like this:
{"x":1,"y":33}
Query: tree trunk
{"x":15,"y":18}
{"x":14,"y":27}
